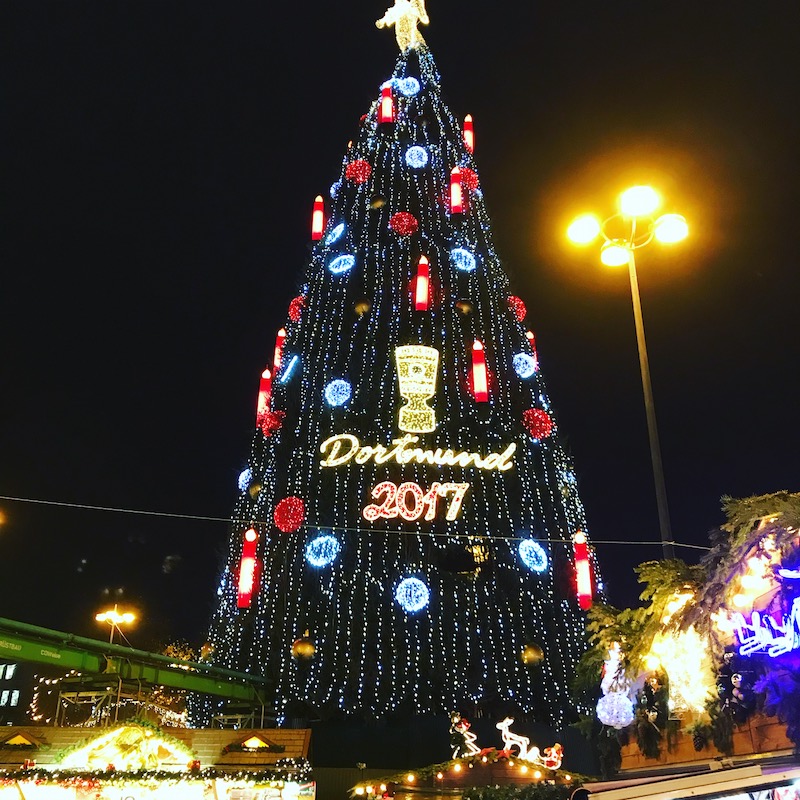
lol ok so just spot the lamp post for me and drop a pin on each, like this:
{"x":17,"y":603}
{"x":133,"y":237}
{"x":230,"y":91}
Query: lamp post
{"x":114,"y":618}
{"x":634,"y":227}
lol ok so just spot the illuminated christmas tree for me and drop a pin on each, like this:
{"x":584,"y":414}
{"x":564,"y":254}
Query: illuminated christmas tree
{"x":408,"y":538}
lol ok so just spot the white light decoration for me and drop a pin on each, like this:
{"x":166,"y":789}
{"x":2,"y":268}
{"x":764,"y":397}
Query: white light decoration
{"x":462,"y":259}
{"x":412,"y":595}
{"x":335,"y":233}
{"x":338,"y":392}
{"x":323,"y":550}
{"x":615,"y":709}
{"x":417,"y":366}
{"x":335,"y":187}
{"x":245,"y":476}
{"x":686,"y":657}
{"x":408,"y":87}
{"x":524,"y":365}
{"x":341,"y":264}
{"x":416,"y":157}
{"x":533,"y":555}
{"x":290,"y":368}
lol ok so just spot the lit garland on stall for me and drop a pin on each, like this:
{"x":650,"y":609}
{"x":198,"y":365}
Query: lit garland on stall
{"x":361,"y":309}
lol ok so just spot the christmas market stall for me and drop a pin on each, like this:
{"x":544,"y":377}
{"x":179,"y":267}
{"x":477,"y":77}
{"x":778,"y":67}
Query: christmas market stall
{"x":709,"y":666}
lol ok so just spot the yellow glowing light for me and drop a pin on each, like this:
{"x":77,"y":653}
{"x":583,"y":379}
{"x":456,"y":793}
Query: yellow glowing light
{"x":343,"y":447}
{"x":456,"y":767}
{"x":537,"y":774}
{"x":114,"y":617}
{"x":484,"y":759}
{"x":652,"y":662}
{"x":740,"y":600}
{"x":615,"y":253}
{"x":382,"y":787}
{"x":670,"y":228}
{"x":510,"y":763}
{"x":359,"y":790}
{"x":584,"y":229}
{"x":639,"y":201}
{"x":439,"y":775}
{"x":417,"y":366}
{"x":523,"y":769}
{"x":370,"y":789}
{"x":254,"y":743}
{"x":411,"y":777}
{"x":685,"y":657}
{"x":568,"y":778}
{"x":405,"y":15}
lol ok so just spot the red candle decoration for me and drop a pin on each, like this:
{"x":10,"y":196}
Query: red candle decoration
{"x":456,"y":196}
{"x":264,"y":394}
{"x":296,"y":307}
{"x":247,"y":569}
{"x":289,"y":514}
{"x":537,"y":422}
{"x":422,"y":286}
{"x":469,"y":134}
{"x":317,"y":219}
{"x":358,"y":171}
{"x":279,"y":340}
{"x":386,"y":107}
{"x":403,"y":223}
{"x":271,"y":422}
{"x":582,"y":571}
{"x":480,"y":381}
{"x":517,"y":307}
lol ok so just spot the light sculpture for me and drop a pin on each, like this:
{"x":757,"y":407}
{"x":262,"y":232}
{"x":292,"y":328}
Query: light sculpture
{"x":582,"y":570}
{"x":264,"y":393}
{"x":469,"y":134}
{"x":422,"y":286}
{"x":279,"y":340}
{"x":386,"y":111}
{"x":317,"y":219}
{"x":456,"y":194}
{"x":247,"y":569}
{"x":417,"y":367}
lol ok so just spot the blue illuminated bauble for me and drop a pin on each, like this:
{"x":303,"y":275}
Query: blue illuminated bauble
{"x":412,"y":594}
{"x":245,"y":476}
{"x":533,"y":555}
{"x":338,"y":392}
{"x":615,"y":709}
{"x":462,"y":259}
{"x":408,"y":86}
{"x":524,"y":365}
{"x":323,"y":550}
{"x":416,"y":156}
{"x":335,"y":188}
{"x":335,"y":234}
{"x":341,"y":264}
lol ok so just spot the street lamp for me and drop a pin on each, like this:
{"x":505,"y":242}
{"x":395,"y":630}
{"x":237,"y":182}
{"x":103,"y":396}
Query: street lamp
{"x":114,"y":618}
{"x":633,"y":227}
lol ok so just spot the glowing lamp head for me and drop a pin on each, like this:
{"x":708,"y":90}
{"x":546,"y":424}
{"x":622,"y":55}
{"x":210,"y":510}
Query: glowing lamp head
{"x":250,"y":535}
{"x":615,"y":253}
{"x":670,"y":228}
{"x":639,"y":201}
{"x":584,"y":229}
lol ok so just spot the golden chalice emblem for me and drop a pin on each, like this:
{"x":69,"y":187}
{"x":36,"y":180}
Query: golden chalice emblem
{"x":417,"y":366}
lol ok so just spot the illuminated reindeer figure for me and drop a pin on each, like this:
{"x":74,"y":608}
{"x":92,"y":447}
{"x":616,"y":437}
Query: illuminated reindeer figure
{"x":512,"y":739}
{"x":404,"y":15}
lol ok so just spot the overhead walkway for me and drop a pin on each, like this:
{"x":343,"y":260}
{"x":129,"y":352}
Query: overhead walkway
{"x":107,"y":662}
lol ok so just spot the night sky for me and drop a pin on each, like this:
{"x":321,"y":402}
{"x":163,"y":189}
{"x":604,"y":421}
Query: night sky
{"x":159,"y":162}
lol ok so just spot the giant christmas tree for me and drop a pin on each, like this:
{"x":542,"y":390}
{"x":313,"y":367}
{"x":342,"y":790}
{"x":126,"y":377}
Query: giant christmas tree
{"x":407,"y":501}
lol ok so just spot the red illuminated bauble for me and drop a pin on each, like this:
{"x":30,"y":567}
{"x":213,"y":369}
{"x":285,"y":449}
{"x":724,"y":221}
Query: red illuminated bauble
{"x":296,"y":307}
{"x":537,"y":422}
{"x":469,"y":178}
{"x":270,"y":422}
{"x":358,"y":171}
{"x":289,"y":514}
{"x":517,"y":307}
{"x":403,"y":223}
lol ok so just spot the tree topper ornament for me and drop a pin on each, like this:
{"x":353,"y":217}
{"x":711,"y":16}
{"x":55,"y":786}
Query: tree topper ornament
{"x":404,"y":15}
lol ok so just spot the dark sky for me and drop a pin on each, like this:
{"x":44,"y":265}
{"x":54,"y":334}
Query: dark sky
{"x":159,"y":161}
